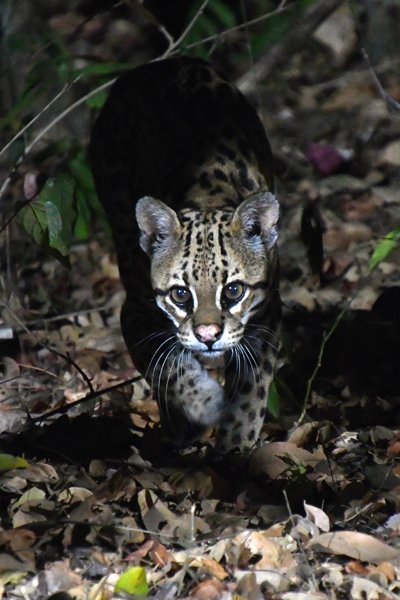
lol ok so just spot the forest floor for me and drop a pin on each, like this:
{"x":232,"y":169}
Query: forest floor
{"x":89,"y":488}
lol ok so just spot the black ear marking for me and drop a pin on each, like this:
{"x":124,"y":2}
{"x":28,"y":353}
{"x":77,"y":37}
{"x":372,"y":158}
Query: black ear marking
{"x":253,"y":230}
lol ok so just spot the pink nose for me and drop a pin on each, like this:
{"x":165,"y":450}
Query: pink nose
{"x":208,"y":333}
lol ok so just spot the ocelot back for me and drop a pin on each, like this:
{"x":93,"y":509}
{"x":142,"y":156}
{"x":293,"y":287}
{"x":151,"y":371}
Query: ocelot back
{"x":183,"y":168}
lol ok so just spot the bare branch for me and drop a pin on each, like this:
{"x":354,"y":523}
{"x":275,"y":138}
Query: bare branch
{"x":288,"y":46}
{"x":90,"y":396}
{"x":20,"y":133}
{"x":391,"y":103}
{"x":185,"y":32}
{"x":280,"y":9}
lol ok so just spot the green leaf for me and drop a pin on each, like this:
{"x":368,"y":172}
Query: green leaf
{"x":133,"y":581}
{"x":384,"y":248}
{"x":106,"y":68}
{"x":81,"y":172}
{"x":87,"y":203}
{"x":273,"y":400}
{"x":57,"y":197}
{"x":50,"y":218}
{"x":98,"y":100}
{"x":223,"y":12}
{"x":82,"y":224}
{"x":16,"y":150}
{"x":8,"y":461}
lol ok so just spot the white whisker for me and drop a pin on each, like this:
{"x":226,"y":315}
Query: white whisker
{"x":159,"y":394}
{"x":158,"y":349}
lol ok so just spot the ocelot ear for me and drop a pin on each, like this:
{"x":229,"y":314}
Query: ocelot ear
{"x":157,"y":222}
{"x":258,"y":217}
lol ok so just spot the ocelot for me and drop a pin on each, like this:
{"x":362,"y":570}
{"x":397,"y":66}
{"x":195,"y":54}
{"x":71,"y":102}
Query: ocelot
{"x":183,"y":168}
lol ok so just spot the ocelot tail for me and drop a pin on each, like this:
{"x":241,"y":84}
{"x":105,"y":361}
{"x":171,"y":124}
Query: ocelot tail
{"x":183,"y":168}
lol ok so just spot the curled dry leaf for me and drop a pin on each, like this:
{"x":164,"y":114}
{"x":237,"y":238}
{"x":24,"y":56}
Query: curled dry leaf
{"x":154,"y":512}
{"x":41,"y":472}
{"x":305,"y":433}
{"x":74,"y":494}
{"x":267,"y":459}
{"x":356,"y":545}
{"x":318,"y":516}
{"x":248,"y":544}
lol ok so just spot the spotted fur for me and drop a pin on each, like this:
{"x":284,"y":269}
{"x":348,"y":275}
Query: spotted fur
{"x":184,"y":170}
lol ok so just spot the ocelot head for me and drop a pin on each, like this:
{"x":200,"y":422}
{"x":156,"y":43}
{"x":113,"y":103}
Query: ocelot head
{"x":210,"y":269}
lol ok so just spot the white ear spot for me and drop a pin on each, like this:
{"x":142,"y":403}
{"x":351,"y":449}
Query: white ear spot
{"x":156,"y":221}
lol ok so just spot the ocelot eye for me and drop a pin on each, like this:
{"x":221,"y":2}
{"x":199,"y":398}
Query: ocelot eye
{"x":180,"y":295}
{"x":233,"y":292}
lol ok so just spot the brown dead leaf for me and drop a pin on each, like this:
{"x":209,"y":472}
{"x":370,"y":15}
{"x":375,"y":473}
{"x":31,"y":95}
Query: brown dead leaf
{"x":394,"y":446}
{"x":390,"y":155}
{"x":248,"y":544}
{"x":20,"y":541}
{"x":141,"y":552}
{"x":354,"y":566}
{"x":17,"y":539}
{"x":356,"y":545}
{"x":154,"y":512}
{"x":275,"y":530}
{"x":209,"y":566}
{"x":131,"y":531}
{"x":387,"y":569}
{"x":162,"y":558}
{"x":40,"y":472}
{"x":74,"y":494}
{"x":10,"y":563}
{"x":305,"y":433}
{"x":267,"y":461}
{"x":119,"y":486}
{"x":248,"y":588}
{"x":199,"y":481}
{"x":363,"y":207}
{"x":59,"y":577}
{"x":210,"y":589}
{"x":339,"y":237}
{"x":349,"y":97}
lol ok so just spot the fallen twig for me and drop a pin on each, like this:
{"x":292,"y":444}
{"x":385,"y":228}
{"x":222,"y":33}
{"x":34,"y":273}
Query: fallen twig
{"x":90,"y":396}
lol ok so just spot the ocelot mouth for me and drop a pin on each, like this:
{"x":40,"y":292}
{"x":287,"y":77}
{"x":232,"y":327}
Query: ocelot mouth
{"x":212,"y":355}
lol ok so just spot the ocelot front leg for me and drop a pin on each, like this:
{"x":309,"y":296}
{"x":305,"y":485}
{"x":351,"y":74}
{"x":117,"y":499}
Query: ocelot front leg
{"x":246,"y":398}
{"x":189,"y":399}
